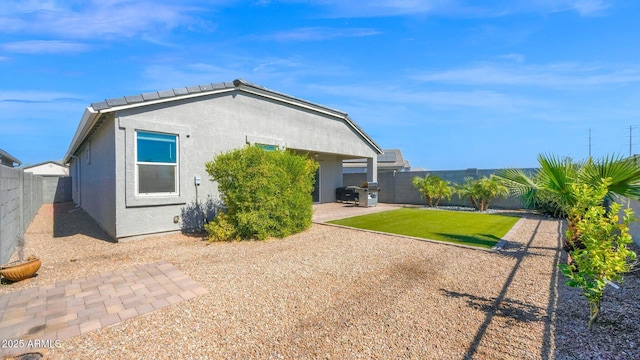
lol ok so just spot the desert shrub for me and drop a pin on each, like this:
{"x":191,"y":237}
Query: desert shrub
{"x":603,"y":256}
{"x":268,"y":193}
{"x":221,"y":229}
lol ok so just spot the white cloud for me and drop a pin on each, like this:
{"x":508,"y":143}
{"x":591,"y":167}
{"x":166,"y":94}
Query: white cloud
{"x":279,"y":73}
{"x":40,"y":112}
{"x":446,"y":99}
{"x":355,"y":8}
{"x":320,"y":33}
{"x":96,"y":18}
{"x":44,"y":46}
{"x":35,"y":96}
{"x":163,"y":77}
{"x":561,"y":75}
{"x":588,"y":7}
{"x":459,"y":8}
{"x":519,"y":58}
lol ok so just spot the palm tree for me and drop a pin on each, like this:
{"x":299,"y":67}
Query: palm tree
{"x":552,"y":182}
{"x":432,"y":188}
{"x":550,"y":187}
{"x":481,"y":191}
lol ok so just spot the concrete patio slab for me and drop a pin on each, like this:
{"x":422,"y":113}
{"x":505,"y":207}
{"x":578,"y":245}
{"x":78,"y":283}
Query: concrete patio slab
{"x":333,"y":211}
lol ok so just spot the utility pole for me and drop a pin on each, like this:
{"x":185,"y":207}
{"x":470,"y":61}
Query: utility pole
{"x":630,"y":139}
{"x":589,"y":143}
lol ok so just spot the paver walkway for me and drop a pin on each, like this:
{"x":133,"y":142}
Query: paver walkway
{"x":42,"y":315}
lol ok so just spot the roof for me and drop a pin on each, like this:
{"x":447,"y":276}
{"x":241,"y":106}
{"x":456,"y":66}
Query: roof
{"x":390,"y":159}
{"x":93,"y":112}
{"x":46,"y":162}
{"x":8,"y":158}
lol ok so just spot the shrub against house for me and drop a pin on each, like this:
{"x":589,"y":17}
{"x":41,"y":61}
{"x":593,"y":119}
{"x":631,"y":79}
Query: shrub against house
{"x":268,"y":193}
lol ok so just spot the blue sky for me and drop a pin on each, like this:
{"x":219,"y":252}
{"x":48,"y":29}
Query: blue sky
{"x":454,"y":84}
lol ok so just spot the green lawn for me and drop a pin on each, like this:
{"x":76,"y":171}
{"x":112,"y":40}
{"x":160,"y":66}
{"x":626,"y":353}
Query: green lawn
{"x":481,"y":230}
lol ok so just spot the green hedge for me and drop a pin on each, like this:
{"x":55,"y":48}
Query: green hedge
{"x":268,"y":193}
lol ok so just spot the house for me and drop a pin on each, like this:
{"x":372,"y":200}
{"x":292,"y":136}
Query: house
{"x":7,"y":159}
{"x":138,"y":162}
{"x":389,"y":160}
{"x":48,"y":168}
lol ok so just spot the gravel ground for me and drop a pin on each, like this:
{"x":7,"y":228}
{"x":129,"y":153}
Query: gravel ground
{"x":341,"y":294}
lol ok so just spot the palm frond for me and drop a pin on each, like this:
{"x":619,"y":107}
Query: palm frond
{"x":624,"y":173}
{"x":518,"y":182}
{"x":556,"y":176}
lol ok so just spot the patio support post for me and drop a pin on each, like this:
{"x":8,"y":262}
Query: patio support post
{"x":372,"y":170}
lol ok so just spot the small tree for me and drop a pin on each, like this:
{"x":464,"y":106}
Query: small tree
{"x":267,"y":193}
{"x":432,"y":189}
{"x":603,"y":255}
{"x":481,"y":191}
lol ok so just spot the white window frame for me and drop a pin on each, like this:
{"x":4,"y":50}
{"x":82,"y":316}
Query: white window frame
{"x":176,"y":165}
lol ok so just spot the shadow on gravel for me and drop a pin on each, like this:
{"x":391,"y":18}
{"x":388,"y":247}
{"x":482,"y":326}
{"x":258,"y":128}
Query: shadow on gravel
{"x":501,"y":306}
{"x":69,"y":220}
{"x":517,"y":251}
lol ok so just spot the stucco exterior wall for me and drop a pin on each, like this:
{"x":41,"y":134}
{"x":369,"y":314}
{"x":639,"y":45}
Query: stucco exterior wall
{"x":634,"y":228}
{"x":330,"y":177}
{"x":94,"y":183}
{"x":207,"y":127}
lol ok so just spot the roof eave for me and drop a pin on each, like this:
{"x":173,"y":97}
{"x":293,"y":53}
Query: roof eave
{"x":92,"y":113}
{"x":11,"y":158}
{"x":87,"y":122}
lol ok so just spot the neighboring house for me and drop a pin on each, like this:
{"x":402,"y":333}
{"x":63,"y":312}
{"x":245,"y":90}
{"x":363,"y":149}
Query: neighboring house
{"x":135,"y":161}
{"x":389,"y":160}
{"x":48,"y":168}
{"x":7,"y":159}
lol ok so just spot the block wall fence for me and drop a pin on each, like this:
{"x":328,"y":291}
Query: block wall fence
{"x":397,"y":189}
{"x":21,"y":195}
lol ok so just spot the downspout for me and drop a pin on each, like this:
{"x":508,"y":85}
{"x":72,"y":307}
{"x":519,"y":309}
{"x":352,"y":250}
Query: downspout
{"x":78,"y":164}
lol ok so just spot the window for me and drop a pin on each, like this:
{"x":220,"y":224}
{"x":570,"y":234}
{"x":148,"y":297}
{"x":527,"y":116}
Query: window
{"x":156,"y":163}
{"x":267,"y":147}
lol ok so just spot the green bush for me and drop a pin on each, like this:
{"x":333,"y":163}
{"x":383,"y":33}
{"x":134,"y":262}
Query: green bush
{"x":221,"y":229}
{"x":603,"y":255}
{"x":268,"y":193}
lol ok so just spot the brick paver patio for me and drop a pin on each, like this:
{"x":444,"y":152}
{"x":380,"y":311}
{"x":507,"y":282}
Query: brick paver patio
{"x":61,"y":310}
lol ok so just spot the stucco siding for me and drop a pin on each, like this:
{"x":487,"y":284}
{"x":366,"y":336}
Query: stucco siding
{"x":634,"y":227}
{"x":299,"y":128}
{"x":95,"y":188}
{"x":204,"y":128}
{"x":330,"y":177}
